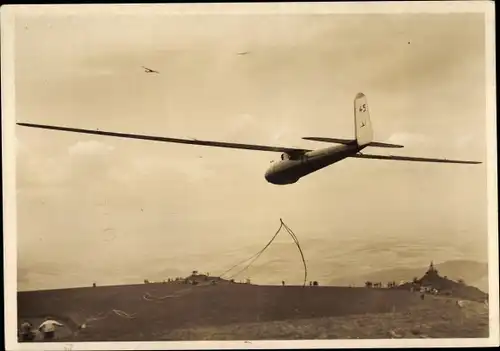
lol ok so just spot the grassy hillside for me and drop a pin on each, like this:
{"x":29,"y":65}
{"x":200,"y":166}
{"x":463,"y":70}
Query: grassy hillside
{"x":180,"y":311}
{"x":419,"y":321}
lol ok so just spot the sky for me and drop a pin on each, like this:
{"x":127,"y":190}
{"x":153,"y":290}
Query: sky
{"x":93,"y":208}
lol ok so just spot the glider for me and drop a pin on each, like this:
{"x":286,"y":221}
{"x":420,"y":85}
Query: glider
{"x":295,"y":163}
{"x":149,"y":70}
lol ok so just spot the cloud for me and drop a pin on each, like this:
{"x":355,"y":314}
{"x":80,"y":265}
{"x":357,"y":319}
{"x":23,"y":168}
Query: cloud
{"x":90,"y":147}
{"x":61,"y":168}
{"x":465,"y":140}
{"x":41,"y":171}
{"x":240,"y":124}
{"x":281,"y":133}
{"x":96,"y":71}
{"x":262,"y":131}
{"x":408,"y":139}
{"x":192,"y":169}
{"x":20,"y":147}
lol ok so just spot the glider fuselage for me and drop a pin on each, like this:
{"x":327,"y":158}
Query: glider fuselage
{"x":291,"y":168}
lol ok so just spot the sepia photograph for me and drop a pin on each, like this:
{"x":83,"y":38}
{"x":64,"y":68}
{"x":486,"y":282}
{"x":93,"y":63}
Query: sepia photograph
{"x":276,"y":175}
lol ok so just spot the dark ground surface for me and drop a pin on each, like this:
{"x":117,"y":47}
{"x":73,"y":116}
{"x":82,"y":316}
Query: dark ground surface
{"x":241,"y":311}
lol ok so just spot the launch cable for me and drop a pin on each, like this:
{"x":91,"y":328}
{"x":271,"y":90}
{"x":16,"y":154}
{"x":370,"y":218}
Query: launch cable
{"x":294,"y":237}
{"x":257,"y":255}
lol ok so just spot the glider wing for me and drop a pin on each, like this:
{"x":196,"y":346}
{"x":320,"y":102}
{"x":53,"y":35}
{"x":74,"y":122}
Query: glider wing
{"x":414,"y":159}
{"x":169,"y":140}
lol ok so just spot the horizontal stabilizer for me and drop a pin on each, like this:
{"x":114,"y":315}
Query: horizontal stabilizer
{"x":377,"y":144}
{"x":351,"y":141}
{"x":414,"y":159}
{"x":332,"y":140}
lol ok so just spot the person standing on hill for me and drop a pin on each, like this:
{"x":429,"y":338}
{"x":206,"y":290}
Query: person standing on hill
{"x":422,"y":292}
{"x":26,"y":331}
{"x":48,"y":328}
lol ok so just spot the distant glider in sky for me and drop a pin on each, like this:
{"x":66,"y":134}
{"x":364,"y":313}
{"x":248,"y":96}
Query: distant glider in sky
{"x":295,"y":163}
{"x":149,"y":70}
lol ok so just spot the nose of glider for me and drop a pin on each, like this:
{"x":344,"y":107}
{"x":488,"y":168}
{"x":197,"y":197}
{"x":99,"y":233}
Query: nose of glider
{"x":269,"y":175}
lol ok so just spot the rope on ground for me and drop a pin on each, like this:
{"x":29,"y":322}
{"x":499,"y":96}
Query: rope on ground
{"x":119,"y":313}
{"x":253,"y":258}
{"x":93,"y":319}
{"x":148,"y":297}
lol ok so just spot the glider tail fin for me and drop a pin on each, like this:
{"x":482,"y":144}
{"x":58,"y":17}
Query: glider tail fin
{"x":362,"y":123}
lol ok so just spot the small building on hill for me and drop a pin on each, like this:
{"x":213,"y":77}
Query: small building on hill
{"x":204,"y":278}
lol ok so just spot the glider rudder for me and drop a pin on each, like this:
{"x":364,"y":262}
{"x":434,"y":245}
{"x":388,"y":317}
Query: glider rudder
{"x":362,"y":123}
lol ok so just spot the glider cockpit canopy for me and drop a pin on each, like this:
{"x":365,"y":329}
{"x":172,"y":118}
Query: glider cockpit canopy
{"x":293,"y":155}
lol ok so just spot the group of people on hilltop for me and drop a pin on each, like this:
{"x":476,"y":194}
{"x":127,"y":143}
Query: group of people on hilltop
{"x":369,"y":284}
{"x":47,"y":328}
{"x":311,"y":283}
{"x":205,"y":277}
